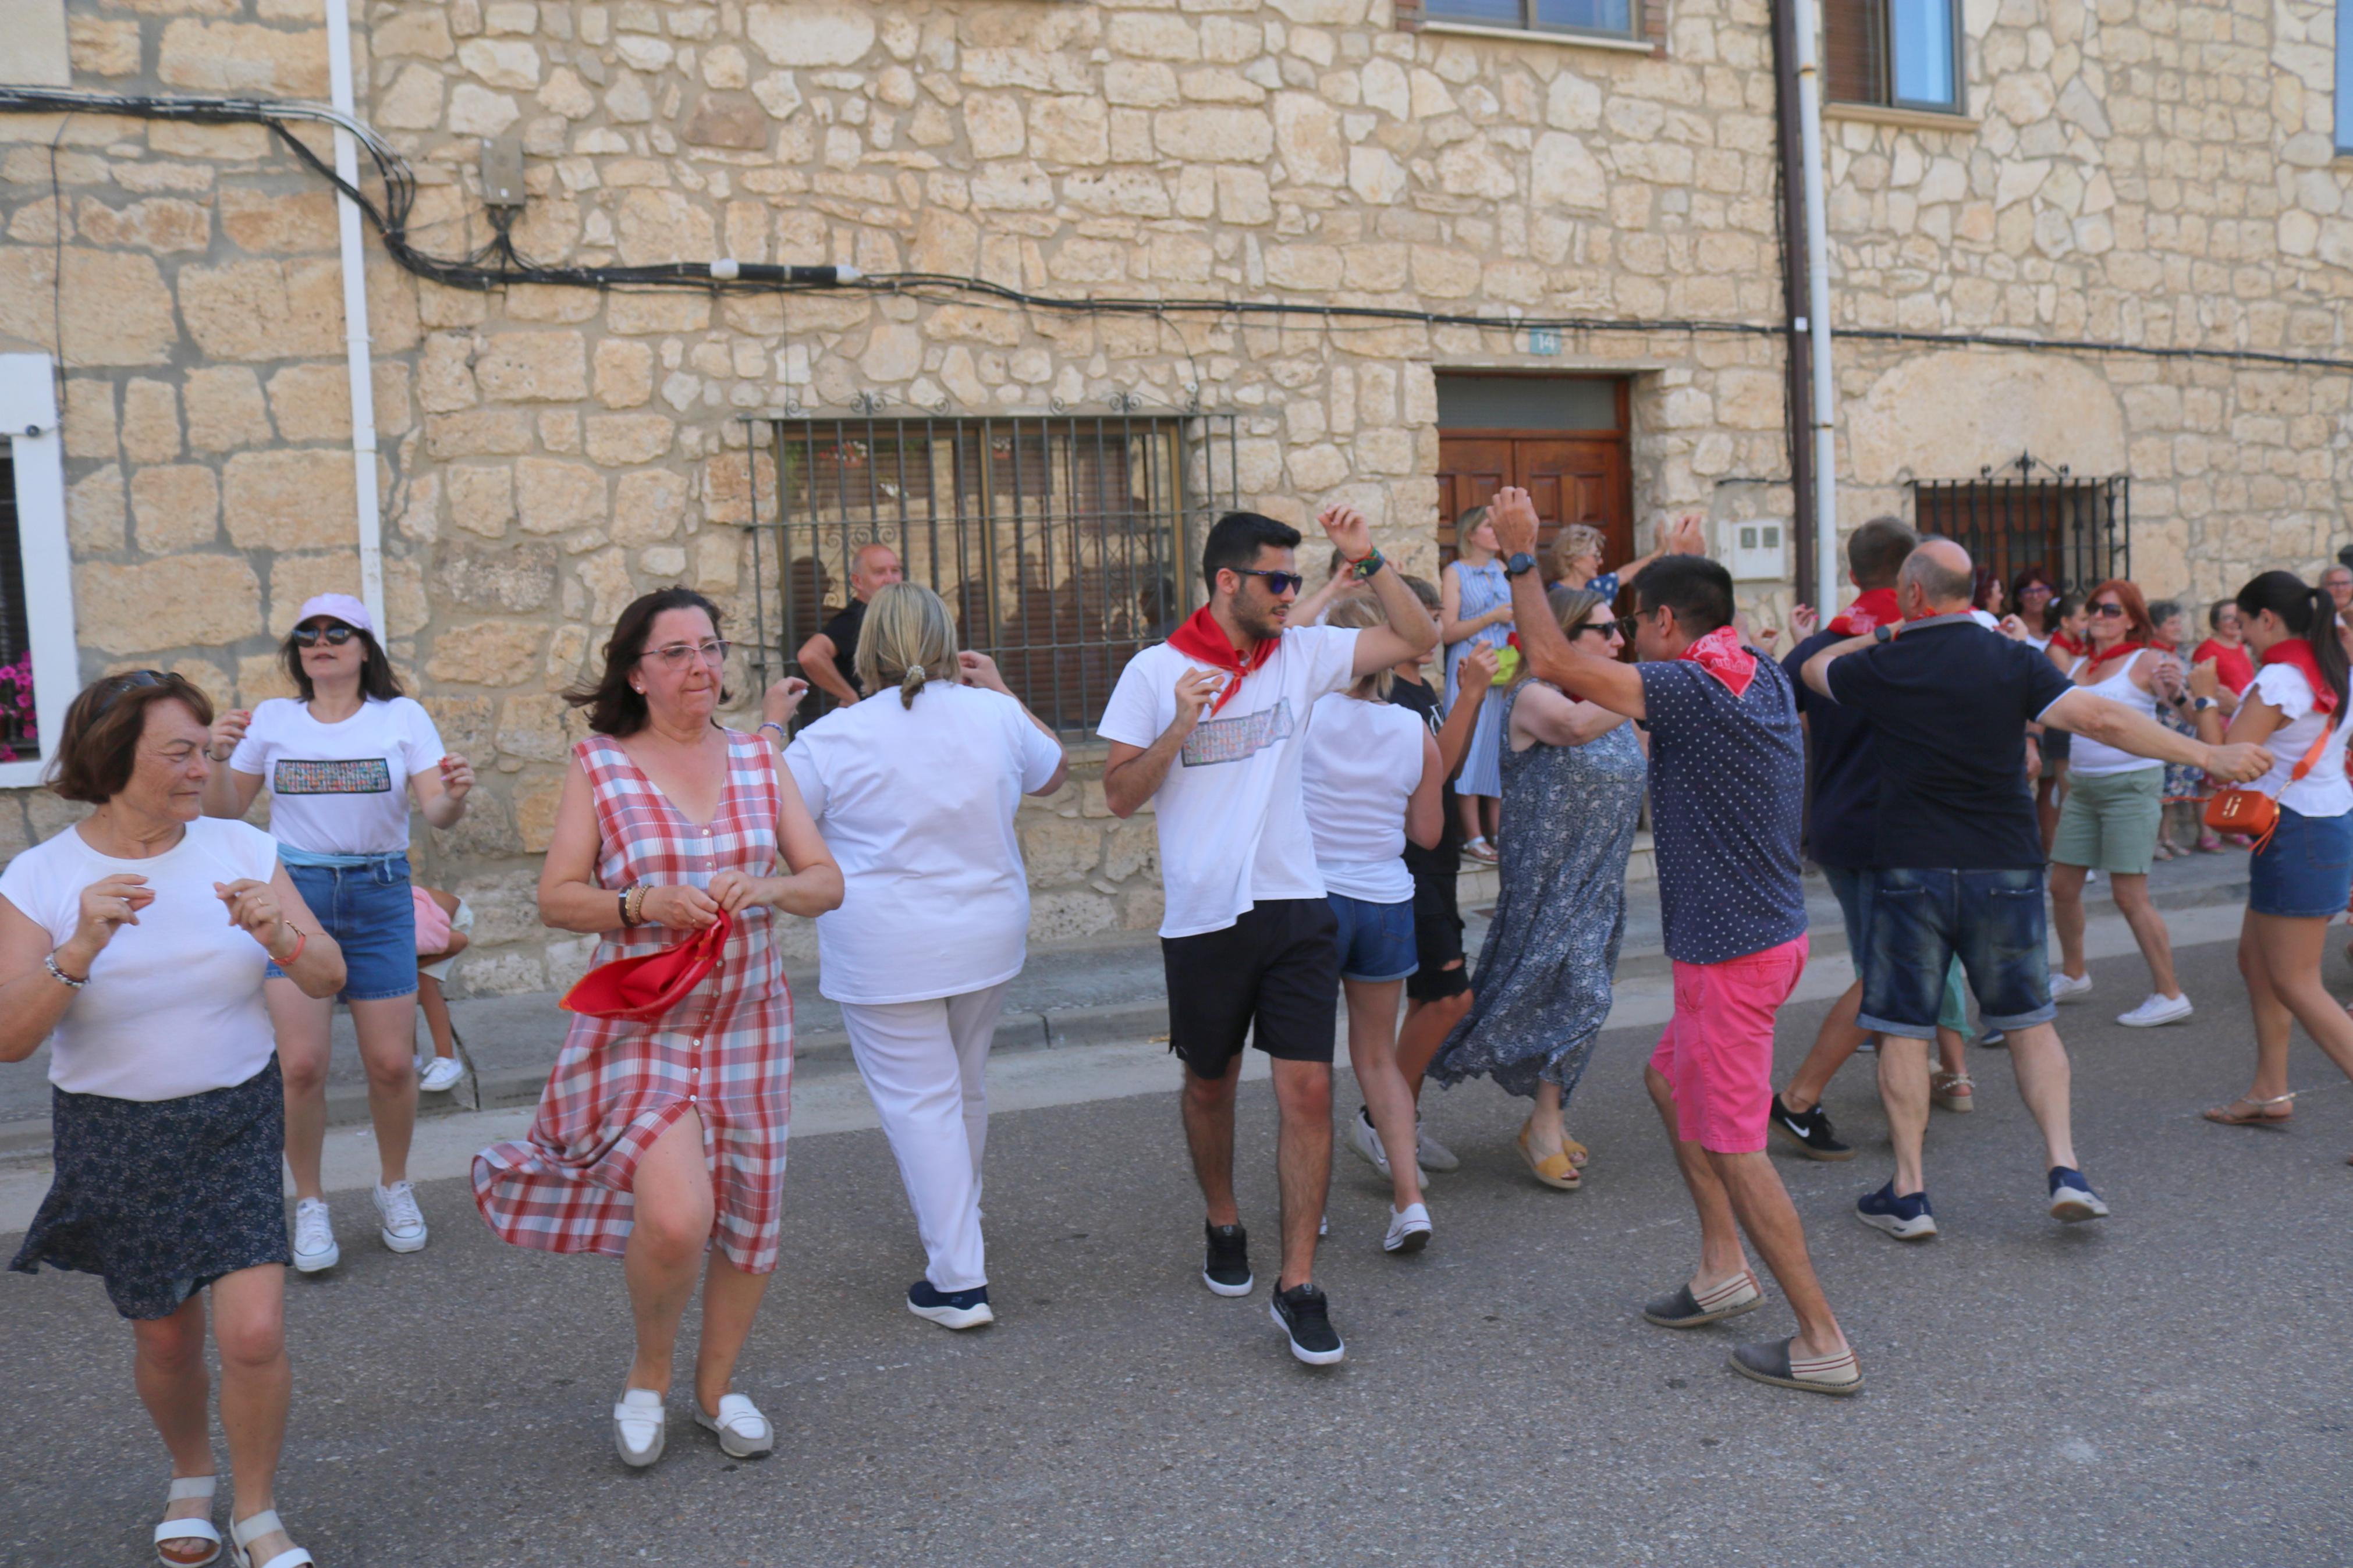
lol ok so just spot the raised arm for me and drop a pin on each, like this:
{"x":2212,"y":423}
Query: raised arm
{"x":1411,"y":633}
{"x":1473,"y":681}
{"x":441,"y":794}
{"x":1548,"y":719}
{"x":2082,"y":714}
{"x":1134,"y":774}
{"x":227,"y":793}
{"x":1615,"y":686}
{"x":1816,"y":671}
{"x":981,"y":670}
{"x":1677,"y":536}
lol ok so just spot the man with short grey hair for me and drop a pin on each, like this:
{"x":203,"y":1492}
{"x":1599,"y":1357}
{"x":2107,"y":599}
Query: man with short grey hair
{"x":1960,"y":861}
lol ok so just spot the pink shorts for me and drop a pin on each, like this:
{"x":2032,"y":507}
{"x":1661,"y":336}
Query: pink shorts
{"x":1717,"y":1052}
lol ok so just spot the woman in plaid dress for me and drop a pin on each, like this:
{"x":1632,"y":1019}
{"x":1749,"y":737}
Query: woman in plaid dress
{"x":654,"y":1142}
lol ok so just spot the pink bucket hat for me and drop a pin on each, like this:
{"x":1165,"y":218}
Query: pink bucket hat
{"x":341,"y":606}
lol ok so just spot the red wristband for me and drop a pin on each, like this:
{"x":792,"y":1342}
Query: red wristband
{"x":302,"y":940}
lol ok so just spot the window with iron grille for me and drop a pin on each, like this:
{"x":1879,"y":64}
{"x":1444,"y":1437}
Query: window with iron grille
{"x":19,"y":739}
{"x":2078,"y":531}
{"x":1063,"y":544}
{"x":1610,"y":18}
{"x":1904,"y":53}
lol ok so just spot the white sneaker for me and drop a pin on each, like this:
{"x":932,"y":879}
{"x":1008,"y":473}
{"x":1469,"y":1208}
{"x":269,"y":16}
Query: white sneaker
{"x":1366,"y":1139}
{"x":2067,"y":987}
{"x":1409,"y":1231}
{"x":441,"y":1075}
{"x":314,"y":1237}
{"x":2158,"y":1009}
{"x":404,"y":1222}
{"x":1434,"y":1155}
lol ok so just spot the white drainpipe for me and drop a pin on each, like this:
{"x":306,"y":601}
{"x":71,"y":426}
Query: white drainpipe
{"x":1827,"y":571}
{"x":355,"y":322}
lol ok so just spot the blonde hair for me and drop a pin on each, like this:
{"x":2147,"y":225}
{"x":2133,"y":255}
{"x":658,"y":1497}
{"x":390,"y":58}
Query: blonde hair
{"x":1363,"y":614}
{"x":1577,"y":539}
{"x":906,"y":639}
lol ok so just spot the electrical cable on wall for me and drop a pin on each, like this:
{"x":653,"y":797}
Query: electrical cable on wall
{"x":498,"y":264}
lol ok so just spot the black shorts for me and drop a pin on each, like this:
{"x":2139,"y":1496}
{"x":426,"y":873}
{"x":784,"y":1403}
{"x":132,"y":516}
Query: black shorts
{"x":1437,"y":941}
{"x":1276,"y":968}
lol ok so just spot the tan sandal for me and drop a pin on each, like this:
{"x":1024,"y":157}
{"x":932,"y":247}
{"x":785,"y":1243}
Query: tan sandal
{"x":2231,"y":1116}
{"x":1954,"y":1091}
{"x":1577,"y":1152}
{"x":1553,"y":1170}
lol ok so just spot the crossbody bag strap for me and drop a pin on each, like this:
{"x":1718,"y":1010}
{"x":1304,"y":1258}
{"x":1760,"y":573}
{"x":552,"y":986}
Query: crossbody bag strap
{"x":2312,"y":758}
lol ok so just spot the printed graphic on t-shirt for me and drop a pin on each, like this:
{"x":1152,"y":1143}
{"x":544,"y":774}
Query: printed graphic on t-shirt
{"x":1239,"y":738}
{"x":348,"y":775}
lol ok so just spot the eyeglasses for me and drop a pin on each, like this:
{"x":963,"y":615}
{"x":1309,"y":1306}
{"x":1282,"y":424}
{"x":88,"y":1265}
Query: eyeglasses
{"x":2034,"y":591}
{"x":712,"y":651}
{"x":334,"y":637}
{"x":1602,"y":628}
{"x":137,"y":679}
{"x":2112,"y":611}
{"x":1277,"y":583}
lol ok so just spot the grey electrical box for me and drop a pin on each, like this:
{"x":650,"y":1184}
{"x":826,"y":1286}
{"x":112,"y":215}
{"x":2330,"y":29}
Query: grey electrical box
{"x":502,"y":172}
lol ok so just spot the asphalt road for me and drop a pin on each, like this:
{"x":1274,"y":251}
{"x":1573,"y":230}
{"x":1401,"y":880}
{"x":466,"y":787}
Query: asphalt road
{"x":2170,"y":1386}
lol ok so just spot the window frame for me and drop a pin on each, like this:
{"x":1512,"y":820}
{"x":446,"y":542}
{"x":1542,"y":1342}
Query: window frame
{"x":1636,"y":24}
{"x":2340,"y":116}
{"x":28,"y":419}
{"x":1884,"y":49}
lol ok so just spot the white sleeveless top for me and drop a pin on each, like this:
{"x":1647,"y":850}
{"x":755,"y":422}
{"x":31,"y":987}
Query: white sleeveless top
{"x":2092,"y":759}
{"x":1362,"y":763}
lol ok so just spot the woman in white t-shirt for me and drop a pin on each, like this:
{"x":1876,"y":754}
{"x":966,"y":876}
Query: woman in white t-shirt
{"x":340,"y":763}
{"x":913,"y":790}
{"x":134,"y":943}
{"x":1370,"y":777}
{"x":2300,"y":877}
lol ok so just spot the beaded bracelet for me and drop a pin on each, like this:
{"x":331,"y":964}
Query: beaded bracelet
{"x":50,"y":963}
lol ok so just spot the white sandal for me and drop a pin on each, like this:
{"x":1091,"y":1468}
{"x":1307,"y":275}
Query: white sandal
{"x":243,"y":1532}
{"x":744,"y":1432}
{"x":640,"y":1426}
{"x":197,"y":1527}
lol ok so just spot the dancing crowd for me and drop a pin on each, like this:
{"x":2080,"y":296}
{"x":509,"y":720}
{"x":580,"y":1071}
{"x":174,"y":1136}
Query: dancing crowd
{"x":1946,"y":744}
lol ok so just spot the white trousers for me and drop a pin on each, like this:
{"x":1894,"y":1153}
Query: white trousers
{"x":923,"y":1063}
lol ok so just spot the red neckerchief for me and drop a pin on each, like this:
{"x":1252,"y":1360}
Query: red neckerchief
{"x":1202,"y":640}
{"x":1870,"y":611}
{"x":2296,"y":653}
{"x":1720,"y":654}
{"x":2121,"y":651}
{"x":2072,"y":647}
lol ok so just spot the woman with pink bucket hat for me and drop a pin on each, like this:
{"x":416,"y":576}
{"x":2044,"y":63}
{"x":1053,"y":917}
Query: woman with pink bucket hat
{"x":341,"y":761}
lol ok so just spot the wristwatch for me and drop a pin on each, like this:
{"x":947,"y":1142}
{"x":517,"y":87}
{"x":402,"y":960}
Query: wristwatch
{"x":1520,"y":563}
{"x":2203,"y":703}
{"x":1884,"y":632}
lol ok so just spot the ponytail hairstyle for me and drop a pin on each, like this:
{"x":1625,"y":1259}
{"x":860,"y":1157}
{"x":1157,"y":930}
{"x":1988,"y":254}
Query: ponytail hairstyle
{"x":906,"y":639}
{"x":2308,"y":612}
{"x":1362,"y":614}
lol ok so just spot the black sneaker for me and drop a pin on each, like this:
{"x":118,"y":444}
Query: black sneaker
{"x":1228,"y":1270}
{"x":1809,"y":1130}
{"x":1304,"y":1314}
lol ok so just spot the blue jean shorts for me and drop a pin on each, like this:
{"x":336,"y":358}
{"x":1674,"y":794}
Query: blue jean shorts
{"x":1851,"y":885}
{"x":2305,"y":870}
{"x":1375,"y":940}
{"x":1921,"y":921}
{"x":370,"y":912}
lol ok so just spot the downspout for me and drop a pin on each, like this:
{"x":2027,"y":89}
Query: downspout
{"x":1796,"y":384}
{"x":1818,"y":300}
{"x":355,"y":321}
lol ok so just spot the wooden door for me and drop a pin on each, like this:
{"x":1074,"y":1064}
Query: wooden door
{"x":1579,"y":478}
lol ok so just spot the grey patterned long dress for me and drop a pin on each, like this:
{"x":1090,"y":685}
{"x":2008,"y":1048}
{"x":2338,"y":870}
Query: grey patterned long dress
{"x":1542,"y":982}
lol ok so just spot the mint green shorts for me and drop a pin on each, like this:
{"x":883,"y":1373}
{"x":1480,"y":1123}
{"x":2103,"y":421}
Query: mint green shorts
{"x":2110,"y":821}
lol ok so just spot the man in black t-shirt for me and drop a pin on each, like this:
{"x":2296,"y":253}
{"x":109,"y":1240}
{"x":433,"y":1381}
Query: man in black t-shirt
{"x":1958,"y":854}
{"x":829,"y":659}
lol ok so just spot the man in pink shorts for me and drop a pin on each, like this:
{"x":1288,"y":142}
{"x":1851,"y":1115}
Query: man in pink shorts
{"x":1728,"y":786}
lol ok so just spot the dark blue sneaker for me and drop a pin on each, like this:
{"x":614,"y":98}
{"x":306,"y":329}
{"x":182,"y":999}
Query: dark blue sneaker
{"x":2071,"y":1197}
{"x":950,"y":1309}
{"x":1904,"y":1218}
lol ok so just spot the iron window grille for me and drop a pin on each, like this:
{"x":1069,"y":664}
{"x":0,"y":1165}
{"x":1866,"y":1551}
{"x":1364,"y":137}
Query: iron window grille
{"x":18,"y":738}
{"x":2078,"y":531}
{"x":1061,"y":543}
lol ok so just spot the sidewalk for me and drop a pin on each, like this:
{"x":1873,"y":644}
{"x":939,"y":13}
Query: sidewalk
{"x":1092,"y":991}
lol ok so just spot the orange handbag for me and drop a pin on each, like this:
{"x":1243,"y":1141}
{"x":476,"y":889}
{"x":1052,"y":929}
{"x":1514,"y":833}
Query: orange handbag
{"x":644,"y":987}
{"x":2251,"y":811}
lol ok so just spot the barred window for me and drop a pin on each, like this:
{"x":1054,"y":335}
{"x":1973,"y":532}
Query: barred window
{"x":2078,"y":531}
{"x":40,"y":665}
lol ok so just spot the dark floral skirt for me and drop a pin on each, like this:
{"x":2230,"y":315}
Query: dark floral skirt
{"x":160,"y":1198}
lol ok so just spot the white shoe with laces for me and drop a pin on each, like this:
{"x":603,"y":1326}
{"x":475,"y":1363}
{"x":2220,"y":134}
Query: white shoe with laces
{"x":2158,"y":1009}
{"x":1365,"y":1139}
{"x":2067,"y":987}
{"x":314,"y":1237}
{"x":441,"y":1075}
{"x":1409,"y":1230}
{"x":403,"y":1223}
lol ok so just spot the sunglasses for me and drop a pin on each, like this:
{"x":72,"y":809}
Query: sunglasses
{"x":134,"y":681}
{"x":1618,"y":627}
{"x":2112,"y":612}
{"x":1277,"y":583}
{"x":334,"y":637}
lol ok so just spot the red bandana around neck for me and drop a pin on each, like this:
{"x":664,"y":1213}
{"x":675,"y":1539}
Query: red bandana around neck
{"x":2296,"y":653}
{"x":1872,"y":609}
{"x":1720,"y":654}
{"x":2074,"y":647}
{"x":1202,"y":640}
{"x":2122,"y":650}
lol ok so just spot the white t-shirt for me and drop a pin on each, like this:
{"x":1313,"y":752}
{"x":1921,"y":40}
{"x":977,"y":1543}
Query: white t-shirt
{"x":174,"y":1005}
{"x":917,"y":806}
{"x":2324,"y":791}
{"x":2091,"y":759}
{"x":1232,"y":828}
{"x":339,"y":789}
{"x":1363,"y":763}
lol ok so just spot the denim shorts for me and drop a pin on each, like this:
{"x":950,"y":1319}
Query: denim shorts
{"x":1375,"y":940}
{"x":371,"y":915}
{"x":1851,"y":887}
{"x":1993,"y":922}
{"x":2305,"y":870}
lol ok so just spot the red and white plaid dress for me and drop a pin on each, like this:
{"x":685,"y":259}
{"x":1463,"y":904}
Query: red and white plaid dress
{"x":726,"y":1050}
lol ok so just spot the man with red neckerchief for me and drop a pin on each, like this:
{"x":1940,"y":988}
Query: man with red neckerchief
{"x":1727,"y":780}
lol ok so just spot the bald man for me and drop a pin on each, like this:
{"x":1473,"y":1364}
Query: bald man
{"x":1959,"y":854}
{"x":829,"y":659}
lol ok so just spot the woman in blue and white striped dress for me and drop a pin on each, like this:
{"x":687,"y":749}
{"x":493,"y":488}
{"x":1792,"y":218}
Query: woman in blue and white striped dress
{"x":1475,"y":610}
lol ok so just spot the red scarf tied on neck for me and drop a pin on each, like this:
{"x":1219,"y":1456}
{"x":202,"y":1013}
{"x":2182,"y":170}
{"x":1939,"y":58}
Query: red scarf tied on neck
{"x":1720,"y":654}
{"x":2122,"y":650}
{"x":1870,"y":611}
{"x":1202,"y":640}
{"x":2296,"y":653}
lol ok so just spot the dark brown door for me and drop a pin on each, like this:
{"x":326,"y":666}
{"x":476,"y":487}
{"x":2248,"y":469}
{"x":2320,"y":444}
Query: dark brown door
{"x":1581,"y":478}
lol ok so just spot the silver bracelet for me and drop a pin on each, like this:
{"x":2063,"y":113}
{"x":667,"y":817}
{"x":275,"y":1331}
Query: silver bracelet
{"x":50,"y":963}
